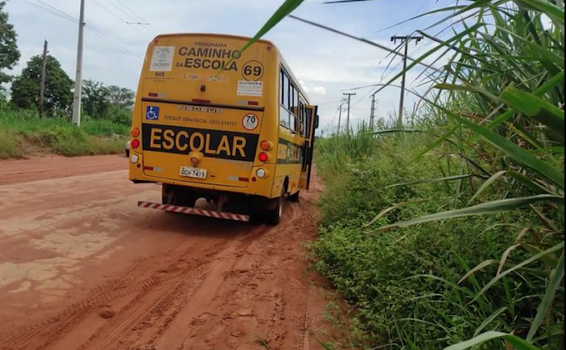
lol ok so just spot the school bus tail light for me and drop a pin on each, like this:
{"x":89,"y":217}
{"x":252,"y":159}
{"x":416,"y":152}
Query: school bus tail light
{"x":135,"y":143}
{"x":135,"y":132}
{"x":263,"y":157}
{"x":265,"y":145}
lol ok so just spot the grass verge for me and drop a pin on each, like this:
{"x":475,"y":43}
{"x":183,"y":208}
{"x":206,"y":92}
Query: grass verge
{"x":24,"y":133}
{"x":407,"y":283}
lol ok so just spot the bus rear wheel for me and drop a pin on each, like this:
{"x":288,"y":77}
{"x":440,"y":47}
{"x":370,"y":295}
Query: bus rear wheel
{"x":273,"y":216}
{"x":176,"y":196}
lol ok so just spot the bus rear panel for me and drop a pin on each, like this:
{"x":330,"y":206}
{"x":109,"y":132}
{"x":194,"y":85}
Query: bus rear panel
{"x":200,"y":112}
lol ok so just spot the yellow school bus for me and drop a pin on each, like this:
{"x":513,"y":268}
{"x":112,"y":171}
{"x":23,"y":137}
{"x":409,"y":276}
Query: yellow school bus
{"x":209,"y":121}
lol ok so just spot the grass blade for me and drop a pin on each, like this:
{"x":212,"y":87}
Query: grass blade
{"x":517,"y":342}
{"x":477,"y":268}
{"x":518,"y":266}
{"x":486,"y":184}
{"x":546,"y":7}
{"x":544,"y":88}
{"x":542,"y":111}
{"x":517,"y":153}
{"x":546,"y":302}
{"x":492,"y":207}
{"x":489,"y":320}
{"x":447,"y":178}
{"x":285,"y":9}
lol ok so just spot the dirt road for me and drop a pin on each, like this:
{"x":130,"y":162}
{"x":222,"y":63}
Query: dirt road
{"x":82,"y":267}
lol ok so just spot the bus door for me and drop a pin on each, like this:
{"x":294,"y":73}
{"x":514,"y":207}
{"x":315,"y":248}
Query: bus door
{"x":311,"y":123}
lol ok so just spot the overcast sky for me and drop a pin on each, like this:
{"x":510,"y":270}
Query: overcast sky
{"x":327,"y":64}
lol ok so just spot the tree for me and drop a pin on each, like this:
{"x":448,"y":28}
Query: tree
{"x":9,"y":54}
{"x":121,"y":97}
{"x":98,"y":99}
{"x":58,"y":86}
{"x":95,"y":99}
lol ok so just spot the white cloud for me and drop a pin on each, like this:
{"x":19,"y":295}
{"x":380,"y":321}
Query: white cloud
{"x":313,"y":89}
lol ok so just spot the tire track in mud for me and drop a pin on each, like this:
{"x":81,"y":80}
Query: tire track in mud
{"x":156,"y":309}
{"x":254,"y":298}
{"x":149,"y":277}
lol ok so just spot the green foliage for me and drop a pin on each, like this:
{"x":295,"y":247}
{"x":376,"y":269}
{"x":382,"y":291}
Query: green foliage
{"x":95,"y":99}
{"x":24,"y":133}
{"x":58,"y":87}
{"x":107,"y":102}
{"x":407,"y":283}
{"x":10,"y":145}
{"x":9,"y":53}
{"x":120,"y":97}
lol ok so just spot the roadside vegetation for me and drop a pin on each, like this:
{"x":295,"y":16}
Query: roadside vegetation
{"x":23,"y":133}
{"x":451,"y":236}
{"x":29,"y":127}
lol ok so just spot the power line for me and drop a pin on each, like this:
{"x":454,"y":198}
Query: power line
{"x":135,"y":14}
{"x":68,"y":18}
{"x":55,"y":11}
{"x":136,"y":20}
{"x":120,"y":18}
{"x":59,"y":11}
{"x":110,"y":41}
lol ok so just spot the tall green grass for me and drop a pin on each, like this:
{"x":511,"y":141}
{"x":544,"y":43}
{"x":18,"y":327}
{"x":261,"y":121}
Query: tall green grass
{"x":415,"y":272}
{"x":24,"y":133}
{"x":407,"y":282}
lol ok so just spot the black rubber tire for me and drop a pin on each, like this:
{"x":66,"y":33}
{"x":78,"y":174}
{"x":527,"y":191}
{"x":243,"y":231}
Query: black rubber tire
{"x":294,"y":197}
{"x":180,"y":198}
{"x":273,"y":217}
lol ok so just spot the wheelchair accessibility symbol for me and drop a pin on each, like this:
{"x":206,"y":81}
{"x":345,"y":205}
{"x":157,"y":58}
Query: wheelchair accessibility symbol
{"x":152,"y":113}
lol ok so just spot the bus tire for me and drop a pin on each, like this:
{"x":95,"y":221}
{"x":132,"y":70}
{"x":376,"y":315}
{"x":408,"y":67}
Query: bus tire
{"x":294,"y":197}
{"x":273,"y":216}
{"x":178,"y":197}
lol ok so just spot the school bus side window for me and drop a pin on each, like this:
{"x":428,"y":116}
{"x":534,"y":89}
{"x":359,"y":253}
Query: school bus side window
{"x":283,"y":113}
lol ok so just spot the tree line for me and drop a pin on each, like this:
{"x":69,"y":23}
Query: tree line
{"x":98,"y":100}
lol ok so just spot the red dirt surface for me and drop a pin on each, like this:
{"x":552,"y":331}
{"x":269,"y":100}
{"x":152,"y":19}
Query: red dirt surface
{"x":82,"y":267}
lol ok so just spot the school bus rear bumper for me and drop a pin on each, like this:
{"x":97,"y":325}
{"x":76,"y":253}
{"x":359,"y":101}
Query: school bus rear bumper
{"x":255,"y":186}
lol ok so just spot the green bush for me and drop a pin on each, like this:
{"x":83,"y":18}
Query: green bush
{"x":10,"y":145}
{"x":21,"y":128}
{"x":404,"y":282}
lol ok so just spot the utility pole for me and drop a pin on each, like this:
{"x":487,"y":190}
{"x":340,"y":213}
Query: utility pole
{"x":339,"y":117}
{"x":372,"y":113}
{"x":349,"y":94}
{"x":42,"y":84}
{"x":405,"y":40}
{"x":78,"y":74}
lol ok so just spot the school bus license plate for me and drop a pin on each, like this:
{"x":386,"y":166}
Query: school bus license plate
{"x":193,"y":172}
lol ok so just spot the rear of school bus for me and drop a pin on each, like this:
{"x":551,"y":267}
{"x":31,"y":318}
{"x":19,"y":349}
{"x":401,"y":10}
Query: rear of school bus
{"x":205,"y":122}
